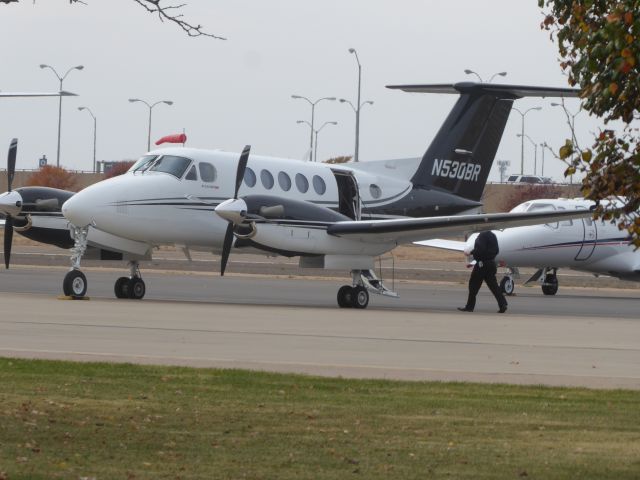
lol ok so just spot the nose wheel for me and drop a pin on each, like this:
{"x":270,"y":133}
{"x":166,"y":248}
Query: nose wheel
{"x":74,"y":284}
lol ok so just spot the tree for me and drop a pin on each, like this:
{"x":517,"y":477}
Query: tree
{"x":165,"y":12}
{"x":599,"y":44}
{"x":51,"y":176}
{"x":342,"y":159}
{"x":118,"y":168}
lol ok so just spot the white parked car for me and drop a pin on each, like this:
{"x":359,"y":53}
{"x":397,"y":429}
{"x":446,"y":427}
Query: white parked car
{"x":527,"y":179}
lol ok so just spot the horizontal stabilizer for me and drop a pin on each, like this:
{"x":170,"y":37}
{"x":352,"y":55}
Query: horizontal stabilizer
{"x":443,"y":244}
{"x":503,"y":91}
{"x":37,"y":94}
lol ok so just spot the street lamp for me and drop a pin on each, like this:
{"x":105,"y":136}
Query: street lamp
{"x":60,"y":79}
{"x":535,"y":152}
{"x":95,"y":126}
{"x":471,"y":72}
{"x":571,"y":120}
{"x":356,"y":154}
{"x":522,"y":135}
{"x":313,"y":110}
{"x":315,"y":133}
{"x":357,"y":112}
{"x":168,"y":102}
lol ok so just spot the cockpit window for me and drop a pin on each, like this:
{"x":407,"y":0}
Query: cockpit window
{"x":143,"y":163}
{"x":192,"y":175}
{"x":176,"y":166}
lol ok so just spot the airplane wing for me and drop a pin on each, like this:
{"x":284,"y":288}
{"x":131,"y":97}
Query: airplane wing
{"x":37,"y":94}
{"x":443,"y":244}
{"x":407,"y":230}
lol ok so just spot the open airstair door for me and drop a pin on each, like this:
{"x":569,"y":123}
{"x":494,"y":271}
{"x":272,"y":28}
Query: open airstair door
{"x":348,"y":193}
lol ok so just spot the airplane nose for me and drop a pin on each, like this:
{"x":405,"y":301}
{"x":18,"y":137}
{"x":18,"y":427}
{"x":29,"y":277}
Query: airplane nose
{"x":11,"y":203}
{"x":77,"y":211}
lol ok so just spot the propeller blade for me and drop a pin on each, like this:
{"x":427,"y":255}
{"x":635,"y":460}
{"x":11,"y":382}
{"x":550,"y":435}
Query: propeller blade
{"x":8,"y":239}
{"x":11,"y":162}
{"x":226,"y":248}
{"x":242,"y":166}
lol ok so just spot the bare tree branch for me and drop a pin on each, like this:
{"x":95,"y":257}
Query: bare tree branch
{"x":165,"y":12}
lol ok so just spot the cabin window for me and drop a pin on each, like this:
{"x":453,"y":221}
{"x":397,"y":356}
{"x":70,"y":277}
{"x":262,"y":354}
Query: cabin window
{"x":375,"y":191}
{"x":143,"y":163}
{"x":318,"y":185}
{"x":171,"y":164}
{"x":207,"y":172}
{"x":192,"y":175}
{"x":250,"y":177}
{"x":284,"y":180}
{"x":267,"y":179}
{"x":302,"y":183}
{"x":565,"y":223}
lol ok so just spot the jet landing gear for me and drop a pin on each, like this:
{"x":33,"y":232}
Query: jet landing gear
{"x":133,"y":286}
{"x":75,"y":283}
{"x":357,"y":296}
{"x":507,"y":284}
{"x":550,"y":281}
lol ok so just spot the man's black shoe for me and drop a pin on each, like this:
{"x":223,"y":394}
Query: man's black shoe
{"x":503,"y":309}
{"x":465,"y":309}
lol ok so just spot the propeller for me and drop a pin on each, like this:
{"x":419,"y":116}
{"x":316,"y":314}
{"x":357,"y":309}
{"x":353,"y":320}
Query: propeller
{"x":8,"y":225}
{"x":228,"y":236}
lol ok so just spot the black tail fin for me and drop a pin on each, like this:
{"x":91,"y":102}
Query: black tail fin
{"x":461,"y":154}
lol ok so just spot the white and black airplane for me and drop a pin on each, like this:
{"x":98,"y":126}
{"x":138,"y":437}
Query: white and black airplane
{"x":330,"y":216}
{"x":597,"y":247}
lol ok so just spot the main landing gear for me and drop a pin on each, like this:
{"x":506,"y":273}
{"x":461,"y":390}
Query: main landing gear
{"x":357,"y":294}
{"x":133,"y":286}
{"x":75,"y":282}
{"x":550,"y":281}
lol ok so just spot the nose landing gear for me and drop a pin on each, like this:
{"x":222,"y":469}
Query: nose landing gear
{"x":75,"y":283}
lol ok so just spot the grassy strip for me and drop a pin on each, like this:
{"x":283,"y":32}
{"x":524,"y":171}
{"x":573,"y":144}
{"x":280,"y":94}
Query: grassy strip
{"x":117,"y":421}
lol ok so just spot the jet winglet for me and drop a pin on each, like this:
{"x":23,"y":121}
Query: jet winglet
{"x":506,"y":91}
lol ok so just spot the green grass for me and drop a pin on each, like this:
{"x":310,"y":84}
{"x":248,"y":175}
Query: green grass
{"x":114,"y":421}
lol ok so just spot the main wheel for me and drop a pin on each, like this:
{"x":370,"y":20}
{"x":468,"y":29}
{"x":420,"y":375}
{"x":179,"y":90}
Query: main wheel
{"x":121,"y":288}
{"x":360,"y":297}
{"x":137,"y":288}
{"x":507,"y":285}
{"x":74,"y":284}
{"x":344,"y":296}
{"x":550,"y":285}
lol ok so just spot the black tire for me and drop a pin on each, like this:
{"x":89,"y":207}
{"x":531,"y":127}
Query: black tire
{"x":550,"y":285}
{"x":359,"y":297}
{"x":507,"y":285}
{"x":121,"y":288}
{"x":74,"y":284}
{"x":345,"y":293}
{"x":137,"y":288}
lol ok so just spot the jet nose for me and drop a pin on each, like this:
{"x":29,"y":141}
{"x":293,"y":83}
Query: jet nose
{"x":77,"y":211}
{"x":11,"y":203}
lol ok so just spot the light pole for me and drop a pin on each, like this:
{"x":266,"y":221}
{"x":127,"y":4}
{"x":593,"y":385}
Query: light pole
{"x":315,"y":133}
{"x":571,"y":120}
{"x":522,"y":135}
{"x":471,"y":72}
{"x":168,"y":102}
{"x":356,"y":153}
{"x":535,"y":152}
{"x":357,"y":112}
{"x":313,"y":110}
{"x":543,"y":145}
{"x":60,"y":79}
{"x":95,"y":127}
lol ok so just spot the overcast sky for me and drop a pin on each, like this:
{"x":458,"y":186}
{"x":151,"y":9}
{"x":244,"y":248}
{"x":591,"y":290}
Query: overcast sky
{"x":230,"y":93}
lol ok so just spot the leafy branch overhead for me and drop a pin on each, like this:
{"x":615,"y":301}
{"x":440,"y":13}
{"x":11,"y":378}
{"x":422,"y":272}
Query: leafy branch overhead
{"x":599,"y":44}
{"x":165,"y":12}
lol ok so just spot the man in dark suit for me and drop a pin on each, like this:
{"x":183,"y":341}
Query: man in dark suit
{"x":484,"y":252}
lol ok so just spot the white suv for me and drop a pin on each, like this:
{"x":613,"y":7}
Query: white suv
{"x":527,"y":179}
